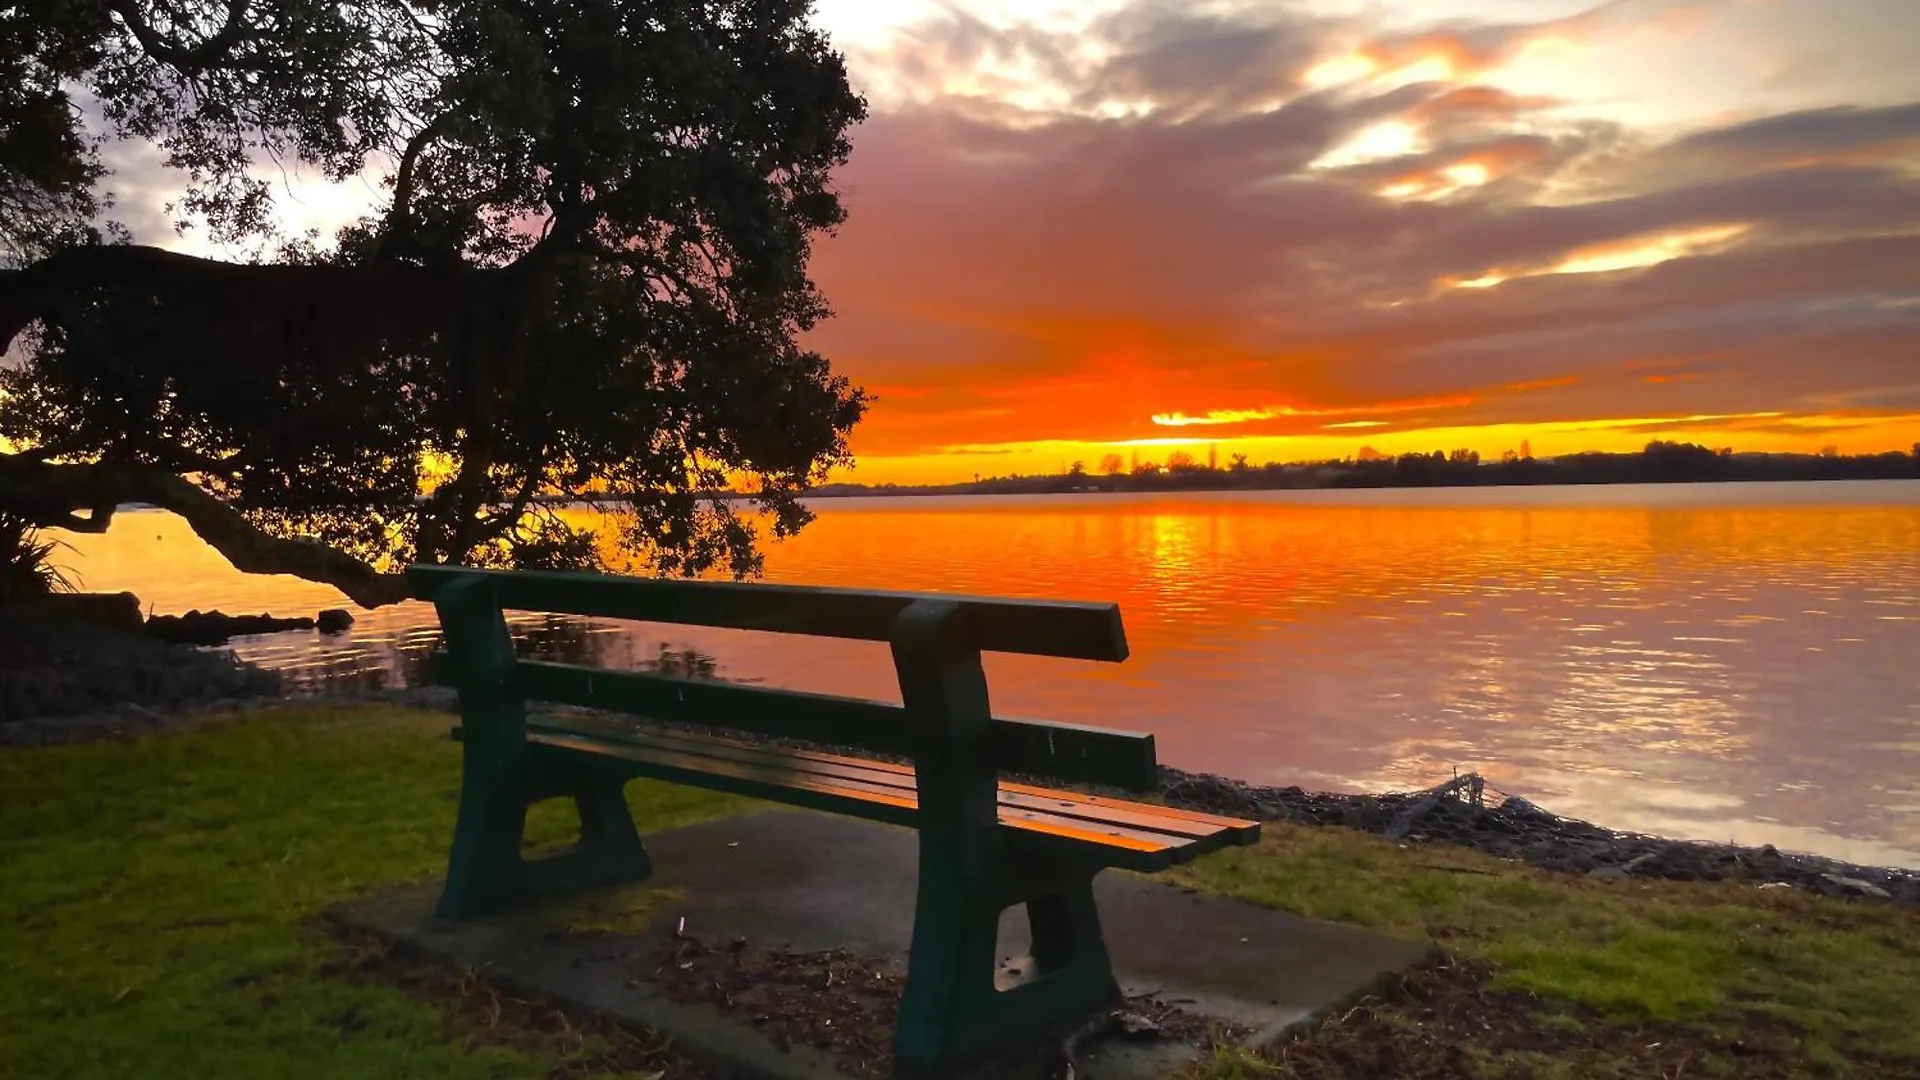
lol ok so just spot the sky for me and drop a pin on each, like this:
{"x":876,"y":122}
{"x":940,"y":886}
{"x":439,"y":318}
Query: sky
{"x":1297,"y":228}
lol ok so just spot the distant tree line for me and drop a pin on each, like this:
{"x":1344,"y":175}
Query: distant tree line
{"x":1660,"y":462}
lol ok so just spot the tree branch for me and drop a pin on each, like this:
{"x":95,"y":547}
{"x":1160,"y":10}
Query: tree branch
{"x":493,"y":526}
{"x":49,"y":495}
{"x":187,"y":60}
{"x":401,"y":213}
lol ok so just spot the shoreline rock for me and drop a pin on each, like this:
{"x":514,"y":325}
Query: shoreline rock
{"x":214,"y":627}
{"x":1459,"y":812}
{"x":55,"y":669}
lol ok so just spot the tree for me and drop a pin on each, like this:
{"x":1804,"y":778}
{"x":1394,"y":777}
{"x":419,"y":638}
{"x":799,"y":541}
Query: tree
{"x":1113,"y":464}
{"x":1237,"y":463}
{"x":1368,"y":453}
{"x":1181,"y":461}
{"x":1078,"y":470}
{"x":586,"y":274}
{"x":1526,"y":450}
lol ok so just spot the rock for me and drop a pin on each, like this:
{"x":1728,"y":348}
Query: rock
{"x":110,"y":611}
{"x":1639,"y":861}
{"x":214,"y":627}
{"x":1134,"y":1026}
{"x":333,"y":621}
{"x":1856,"y":887}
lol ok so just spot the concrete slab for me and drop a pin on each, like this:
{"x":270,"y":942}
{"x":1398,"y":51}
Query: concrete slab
{"x":809,"y":883}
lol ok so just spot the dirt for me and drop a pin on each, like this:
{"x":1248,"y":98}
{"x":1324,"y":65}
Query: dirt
{"x":482,"y":1011}
{"x":847,"y":1005}
{"x":1442,"y":1021}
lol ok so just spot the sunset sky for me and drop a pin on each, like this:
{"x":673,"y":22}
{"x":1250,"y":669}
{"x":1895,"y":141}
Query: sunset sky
{"x":1294,"y":228}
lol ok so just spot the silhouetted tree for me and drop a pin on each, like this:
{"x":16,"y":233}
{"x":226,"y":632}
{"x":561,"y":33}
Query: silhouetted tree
{"x":1113,"y":465}
{"x":587,"y":273}
{"x":1181,"y":462}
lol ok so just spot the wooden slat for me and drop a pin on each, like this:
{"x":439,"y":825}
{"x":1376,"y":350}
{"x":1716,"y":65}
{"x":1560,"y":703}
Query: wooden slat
{"x":1069,"y":753}
{"x":1249,"y":831}
{"x":1072,"y":629}
{"x":1148,"y":817}
{"x":1110,"y":845}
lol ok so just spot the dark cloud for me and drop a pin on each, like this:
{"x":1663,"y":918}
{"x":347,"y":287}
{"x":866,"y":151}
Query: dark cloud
{"x":1190,"y":63}
{"x":1811,"y":132}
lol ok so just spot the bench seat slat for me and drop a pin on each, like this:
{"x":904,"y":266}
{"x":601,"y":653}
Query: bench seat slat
{"x":1110,"y":845}
{"x":891,"y":786}
{"x":1147,"y":817}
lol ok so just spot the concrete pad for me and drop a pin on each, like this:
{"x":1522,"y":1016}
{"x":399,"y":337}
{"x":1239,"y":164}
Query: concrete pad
{"x":813,"y":882}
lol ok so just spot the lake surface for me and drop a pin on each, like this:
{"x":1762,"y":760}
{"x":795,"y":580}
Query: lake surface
{"x":1725,"y":662}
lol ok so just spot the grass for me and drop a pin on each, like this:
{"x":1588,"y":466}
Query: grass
{"x":158,"y":897}
{"x":1833,"y":986}
{"x":158,"y":902}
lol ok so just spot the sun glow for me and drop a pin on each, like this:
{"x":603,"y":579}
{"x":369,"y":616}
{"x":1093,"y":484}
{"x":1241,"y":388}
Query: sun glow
{"x":1448,"y":181}
{"x":1648,"y":251}
{"x":1387,"y":139}
{"x":1336,"y":70}
{"x":1636,"y":253}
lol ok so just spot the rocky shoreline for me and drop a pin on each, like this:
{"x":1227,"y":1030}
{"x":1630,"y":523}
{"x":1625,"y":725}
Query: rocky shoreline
{"x":63,"y":683}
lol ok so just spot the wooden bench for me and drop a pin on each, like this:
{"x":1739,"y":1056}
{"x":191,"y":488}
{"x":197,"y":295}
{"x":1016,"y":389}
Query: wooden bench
{"x":985,"y":844}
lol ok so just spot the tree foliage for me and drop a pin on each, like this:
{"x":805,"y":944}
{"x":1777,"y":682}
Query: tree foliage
{"x":585,"y":272}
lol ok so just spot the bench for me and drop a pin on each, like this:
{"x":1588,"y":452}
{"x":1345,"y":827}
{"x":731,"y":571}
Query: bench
{"x":985,"y":844}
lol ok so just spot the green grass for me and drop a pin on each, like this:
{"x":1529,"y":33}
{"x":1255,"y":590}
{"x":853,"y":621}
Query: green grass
{"x":157,"y":898}
{"x":158,"y":903}
{"x":1841,"y":979}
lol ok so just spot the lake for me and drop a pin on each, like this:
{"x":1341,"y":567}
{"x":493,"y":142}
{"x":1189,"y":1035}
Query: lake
{"x":1724,"y":662}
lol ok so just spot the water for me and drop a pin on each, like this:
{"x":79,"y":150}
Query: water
{"x":1726,"y":662}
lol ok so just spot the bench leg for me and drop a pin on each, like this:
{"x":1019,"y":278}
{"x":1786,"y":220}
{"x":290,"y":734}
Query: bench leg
{"x":487,"y":873}
{"x":961,"y":1009}
{"x":1066,"y":933}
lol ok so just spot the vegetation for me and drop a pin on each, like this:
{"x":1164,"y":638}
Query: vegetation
{"x":1659,"y":462}
{"x":26,"y":561}
{"x":158,"y":913}
{"x":587,"y":266}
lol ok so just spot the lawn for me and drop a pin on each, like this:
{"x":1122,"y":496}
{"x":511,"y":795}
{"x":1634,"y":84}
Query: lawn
{"x":158,"y":905}
{"x":158,"y":899}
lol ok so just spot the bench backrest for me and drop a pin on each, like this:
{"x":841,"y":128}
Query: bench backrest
{"x":470,"y":603}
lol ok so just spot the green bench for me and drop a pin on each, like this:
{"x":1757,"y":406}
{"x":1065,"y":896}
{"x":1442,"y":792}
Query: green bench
{"x":985,"y":844}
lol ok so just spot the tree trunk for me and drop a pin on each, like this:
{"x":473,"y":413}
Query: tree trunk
{"x":53,"y":495}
